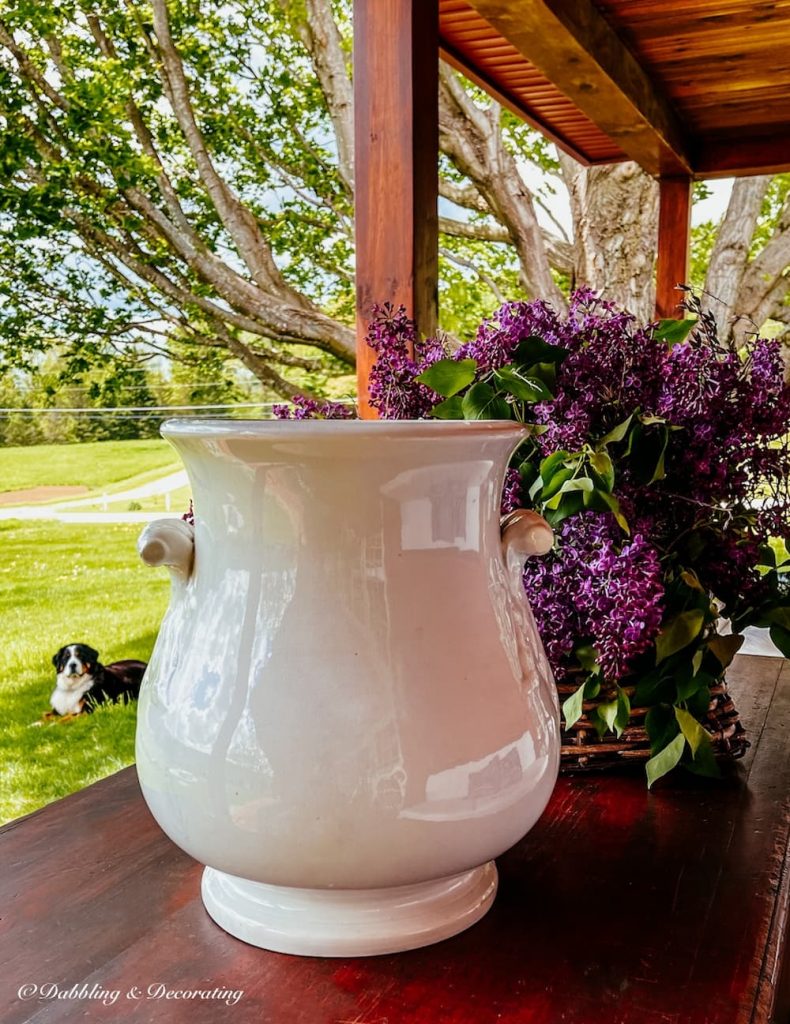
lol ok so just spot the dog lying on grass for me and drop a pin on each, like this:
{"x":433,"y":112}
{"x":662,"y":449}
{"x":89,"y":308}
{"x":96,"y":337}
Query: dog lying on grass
{"x":83,"y":682}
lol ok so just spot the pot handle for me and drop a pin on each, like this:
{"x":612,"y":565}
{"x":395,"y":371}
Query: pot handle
{"x":169,"y":542}
{"x":525,"y":533}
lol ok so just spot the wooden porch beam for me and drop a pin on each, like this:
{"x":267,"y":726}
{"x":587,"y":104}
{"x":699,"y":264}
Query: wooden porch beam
{"x":674,"y":236}
{"x":396,"y":123}
{"x":761,"y":154}
{"x":571,"y":43}
{"x":483,"y":81}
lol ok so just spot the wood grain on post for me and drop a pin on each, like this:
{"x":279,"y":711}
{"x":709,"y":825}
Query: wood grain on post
{"x":396,"y":125}
{"x":674,"y":231}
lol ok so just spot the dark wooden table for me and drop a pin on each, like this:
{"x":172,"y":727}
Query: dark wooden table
{"x":621,"y":907}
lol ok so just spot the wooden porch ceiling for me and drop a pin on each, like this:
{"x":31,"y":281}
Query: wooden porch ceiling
{"x":698,"y":87}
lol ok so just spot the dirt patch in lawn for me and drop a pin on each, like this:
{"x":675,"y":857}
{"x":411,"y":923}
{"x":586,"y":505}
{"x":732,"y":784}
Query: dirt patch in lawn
{"x":40,"y":494}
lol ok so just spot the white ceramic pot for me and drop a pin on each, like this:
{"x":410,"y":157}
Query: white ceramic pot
{"x":348,"y":713}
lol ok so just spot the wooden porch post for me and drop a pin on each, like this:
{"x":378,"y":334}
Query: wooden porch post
{"x":674,"y":230}
{"x":396,"y":124}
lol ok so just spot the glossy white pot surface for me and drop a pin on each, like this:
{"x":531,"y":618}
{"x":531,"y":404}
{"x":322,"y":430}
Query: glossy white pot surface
{"x":348,"y":690}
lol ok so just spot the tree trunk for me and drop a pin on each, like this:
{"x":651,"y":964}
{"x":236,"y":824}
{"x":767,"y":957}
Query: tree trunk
{"x":730,"y":254}
{"x":615,"y":213}
{"x":764,"y":289}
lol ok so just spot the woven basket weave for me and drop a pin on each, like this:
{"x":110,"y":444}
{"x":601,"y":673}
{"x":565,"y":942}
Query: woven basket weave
{"x":583,"y":748}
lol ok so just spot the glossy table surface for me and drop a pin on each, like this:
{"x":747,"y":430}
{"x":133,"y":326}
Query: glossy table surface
{"x":620,"y":907}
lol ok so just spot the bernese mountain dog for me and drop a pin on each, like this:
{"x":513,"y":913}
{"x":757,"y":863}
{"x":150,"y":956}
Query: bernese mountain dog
{"x":83,"y":682}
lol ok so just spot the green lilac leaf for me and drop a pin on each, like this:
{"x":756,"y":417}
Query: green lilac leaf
{"x":608,"y":713}
{"x":616,"y":433}
{"x":699,"y":702}
{"x":604,"y":467}
{"x":551,"y":463}
{"x":691,"y":729}
{"x":598,"y":722}
{"x":587,"y":656}
{"x":536,"y":350}
{"x":663,"y":762}
{"x":593,"y":685}
{"x":552,"y":486}
{"x":678,"y":633}
{"x":449,"y":376}
{"x":661,"y":726}
{"x":576,"y":484}
{"x":535,"y":487}
{"x":725,"y":647}
{"x":623,"y":716}
{"x":527,"y":389}
{"x":449,"y":409}
{"x":705,"y":761}
{"x":691,"y":580}
{"x":570,"y":504}
{"x":648,"y":449}
{"x":674,"y":331}
{"x":778,"y":616}
{"x":580,"y":483}
{"x":614,"y":507}
{"x":546,"y":372}
{"x":573,"y":707}
{"x":481,"y":402}
{"x":528,"y":472}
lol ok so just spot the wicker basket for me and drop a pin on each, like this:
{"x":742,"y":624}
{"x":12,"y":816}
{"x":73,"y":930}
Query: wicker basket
{"x":583,"y":748}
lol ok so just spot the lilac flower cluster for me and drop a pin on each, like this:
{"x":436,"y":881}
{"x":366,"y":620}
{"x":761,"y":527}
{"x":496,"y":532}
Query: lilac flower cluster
{"x":313,"y":409}
{"x":612,"y":369}
{"x":593,"y":588}
{"x":499,"y":336}
{"x":720,"y":490}
{"x":512,"y":495}
{"x":400,"y":357}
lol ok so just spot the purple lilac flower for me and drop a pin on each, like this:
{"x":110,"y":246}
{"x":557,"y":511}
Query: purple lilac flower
{"x":596,"y":587}
{"x":400,"y":357}
{"x":726,"y":465}
{"x":499,"y":336}
{"x":303,"y":408}
{"x":512,"y":497}
{"x":611,"y":371}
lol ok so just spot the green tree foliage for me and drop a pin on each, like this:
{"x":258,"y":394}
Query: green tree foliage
{"x":168,"y":169}
{"x":177,"y":175}
{"x":119,"y":383}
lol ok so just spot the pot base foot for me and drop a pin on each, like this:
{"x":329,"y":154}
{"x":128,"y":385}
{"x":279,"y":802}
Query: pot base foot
{"x":348,"y":922}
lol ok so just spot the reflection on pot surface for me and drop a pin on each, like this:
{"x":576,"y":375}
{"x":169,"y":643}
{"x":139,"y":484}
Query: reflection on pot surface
{"x":348,"y":697}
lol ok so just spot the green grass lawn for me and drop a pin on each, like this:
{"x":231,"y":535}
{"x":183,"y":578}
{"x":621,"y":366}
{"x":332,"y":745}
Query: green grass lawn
{"x":99,"y":465}
{"x":64,"y":583}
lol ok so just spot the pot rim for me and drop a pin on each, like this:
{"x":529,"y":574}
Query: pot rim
{"x":199,"y":426}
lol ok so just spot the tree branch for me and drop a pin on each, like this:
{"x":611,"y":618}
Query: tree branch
{"x":472,"y":139}
{"x":29,"y":71}
{"x":559,"y":252}
{"x":477,"y":230}
{"x":463,"y":195}
{"x":318,"y":31}
{"x":469,"y":265}
{"x":238,"y":221}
